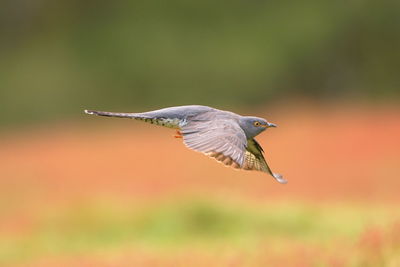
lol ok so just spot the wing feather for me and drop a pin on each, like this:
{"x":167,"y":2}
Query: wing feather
{"x":223,"y":139}
{"x":254,"y":160}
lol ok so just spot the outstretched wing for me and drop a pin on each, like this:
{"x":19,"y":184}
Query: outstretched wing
{"x":254,"y":160}
{"x":221,"y":138}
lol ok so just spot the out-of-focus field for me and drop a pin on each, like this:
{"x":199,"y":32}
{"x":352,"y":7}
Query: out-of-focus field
{"x":109,"y":192}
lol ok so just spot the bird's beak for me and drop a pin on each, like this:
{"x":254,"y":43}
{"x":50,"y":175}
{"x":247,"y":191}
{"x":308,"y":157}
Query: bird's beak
{"x":270,"y":124}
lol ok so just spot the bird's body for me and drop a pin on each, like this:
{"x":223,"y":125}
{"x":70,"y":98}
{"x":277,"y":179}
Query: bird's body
{"x":224,"y":135}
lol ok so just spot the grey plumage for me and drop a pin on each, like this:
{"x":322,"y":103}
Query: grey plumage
{"x":223,"y":135}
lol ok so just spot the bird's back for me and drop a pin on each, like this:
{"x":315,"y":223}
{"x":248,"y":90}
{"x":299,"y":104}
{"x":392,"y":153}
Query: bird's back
{"x":179,"y":112}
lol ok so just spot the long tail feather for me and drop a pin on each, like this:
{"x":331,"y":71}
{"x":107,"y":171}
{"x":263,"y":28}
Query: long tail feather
{"x":146,"y":117}
{"x":111,"y":114}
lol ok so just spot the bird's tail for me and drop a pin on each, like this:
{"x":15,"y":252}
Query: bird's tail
{"x":146,"y":117}
{"x":111,"y":114}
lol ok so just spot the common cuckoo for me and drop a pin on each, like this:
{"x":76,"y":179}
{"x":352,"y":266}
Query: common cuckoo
{"x":223,"y":135}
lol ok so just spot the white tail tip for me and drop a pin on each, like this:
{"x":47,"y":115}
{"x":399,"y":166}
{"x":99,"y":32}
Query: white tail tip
{"x":89,"y":112}
{"x":279,"y":178}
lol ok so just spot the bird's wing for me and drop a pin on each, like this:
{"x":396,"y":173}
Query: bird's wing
{"x":254,"y":160}
{"x":223,"y":139}
{"x":220,"y":138}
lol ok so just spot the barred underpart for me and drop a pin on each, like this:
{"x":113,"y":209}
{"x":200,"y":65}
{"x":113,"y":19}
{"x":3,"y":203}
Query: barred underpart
{"x":166,"y":122}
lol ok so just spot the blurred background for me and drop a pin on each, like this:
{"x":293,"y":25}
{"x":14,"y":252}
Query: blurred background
{"x":80,"y":190}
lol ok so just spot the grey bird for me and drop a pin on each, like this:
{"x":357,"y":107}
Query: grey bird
{"x":223,"y":135}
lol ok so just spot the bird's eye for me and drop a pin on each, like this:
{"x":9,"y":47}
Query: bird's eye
{"x":256,"y":123}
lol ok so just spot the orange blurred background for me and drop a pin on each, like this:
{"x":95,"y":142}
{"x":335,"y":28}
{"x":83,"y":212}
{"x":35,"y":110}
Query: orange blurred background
{"x":99,"y":172}
{"x":78,"y":190}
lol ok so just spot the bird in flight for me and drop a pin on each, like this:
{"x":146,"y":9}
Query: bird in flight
{"x":223,"y":135}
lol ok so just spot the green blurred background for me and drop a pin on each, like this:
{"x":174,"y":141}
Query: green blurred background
{"x":78,"y":190}
{"x":58,"y":57}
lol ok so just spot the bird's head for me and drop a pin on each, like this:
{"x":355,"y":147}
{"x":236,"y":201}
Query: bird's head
{"x":253,"y":126}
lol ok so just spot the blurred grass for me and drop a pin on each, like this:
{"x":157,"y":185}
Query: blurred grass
{"x":92,"y":228}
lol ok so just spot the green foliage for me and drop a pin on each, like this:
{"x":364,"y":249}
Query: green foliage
{"x":60,"y":57}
